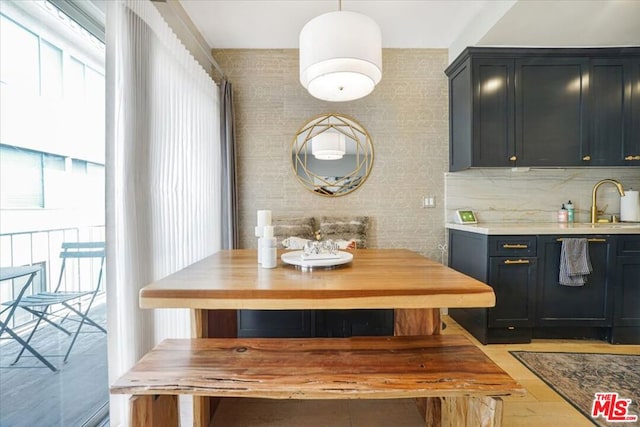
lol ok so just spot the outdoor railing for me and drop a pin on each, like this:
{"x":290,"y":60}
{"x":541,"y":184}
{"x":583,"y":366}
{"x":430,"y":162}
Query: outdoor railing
{"x":42,"y":247}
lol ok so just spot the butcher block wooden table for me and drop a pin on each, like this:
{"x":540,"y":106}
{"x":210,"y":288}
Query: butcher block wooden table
{"x":216,"y":287}
{"x":377,"y":278}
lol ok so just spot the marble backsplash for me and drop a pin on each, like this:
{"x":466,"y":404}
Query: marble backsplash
{"x":535,"y":195}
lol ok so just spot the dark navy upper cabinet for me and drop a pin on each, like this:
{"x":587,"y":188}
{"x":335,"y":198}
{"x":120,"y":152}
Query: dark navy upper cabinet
{"x":550,"y":114}
{"x":632,"y":139}
{"x":610,"y":138}
{"x":460,"y":132}
{"x":493,"y":100}
{"x":481,"y":109}
{"x":544,"y":107}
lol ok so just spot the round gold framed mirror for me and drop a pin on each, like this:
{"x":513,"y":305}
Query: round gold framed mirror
{"x":332,"y":155}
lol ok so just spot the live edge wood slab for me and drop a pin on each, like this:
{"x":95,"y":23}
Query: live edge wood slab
{"x":449,"y":367}
{"x":377,"y":278}
{"x":215,"y":287}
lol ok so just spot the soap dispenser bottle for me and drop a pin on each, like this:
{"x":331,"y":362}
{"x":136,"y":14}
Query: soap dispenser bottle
{"x":570,"y":212}
{"x":563,"y":214}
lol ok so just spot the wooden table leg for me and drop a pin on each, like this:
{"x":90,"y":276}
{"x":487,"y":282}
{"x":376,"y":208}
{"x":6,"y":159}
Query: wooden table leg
{"x":424,"y":321}
{"x":201,"y":405}
{"x":154,"y":411}
{"x":210,"y":324}
{"x":420,"y":322}
{"x":469,"y":411}
{"x":465,"y":411}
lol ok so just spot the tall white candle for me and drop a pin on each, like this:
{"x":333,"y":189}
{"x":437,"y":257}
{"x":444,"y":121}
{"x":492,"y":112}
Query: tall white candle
{"x":264,"y":218}
{"x":264,"y":221}
{"x":268,"y":254}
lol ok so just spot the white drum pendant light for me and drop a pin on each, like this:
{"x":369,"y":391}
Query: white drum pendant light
{"x":340,"y":56}
{"x":328,"y":146}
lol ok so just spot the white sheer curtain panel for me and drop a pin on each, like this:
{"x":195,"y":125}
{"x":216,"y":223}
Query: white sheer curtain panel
{"x":163,"y":177}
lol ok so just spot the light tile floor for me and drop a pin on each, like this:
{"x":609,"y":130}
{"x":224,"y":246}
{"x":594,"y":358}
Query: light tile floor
{"x":541,"y":406}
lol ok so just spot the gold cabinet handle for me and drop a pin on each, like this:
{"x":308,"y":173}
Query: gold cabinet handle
{"x":515,"y":246}
{"x":513,"y":158}
{"x":586,"y":158}
{"x":632,"y":158}
{"x":516,"y":261}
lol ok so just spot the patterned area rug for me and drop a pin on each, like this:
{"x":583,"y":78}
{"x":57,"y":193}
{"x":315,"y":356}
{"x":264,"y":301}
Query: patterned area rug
{"x":578,"y":376}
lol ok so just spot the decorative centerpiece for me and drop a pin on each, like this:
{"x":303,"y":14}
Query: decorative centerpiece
{"x":320,"y":249}
{"x":317,"y":253}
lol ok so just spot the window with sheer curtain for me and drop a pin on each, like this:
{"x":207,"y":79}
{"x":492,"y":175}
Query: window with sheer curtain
{"x":163,"y":176}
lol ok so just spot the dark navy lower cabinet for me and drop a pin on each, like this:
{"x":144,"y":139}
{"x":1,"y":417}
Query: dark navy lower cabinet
{"x":626,"y":318}
{"x":275,"y":323}
{"x":509,"y":265}
{"x":351,"y":323}
{"x":314,"y":323}
{"x":530,"y":303}
{"x":578,"y":312}
{"x":513,"y":280}
{"x":588,"y":305}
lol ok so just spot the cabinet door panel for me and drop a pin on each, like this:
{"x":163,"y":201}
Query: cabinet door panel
{"x":460,"y":118}
{"x":348,"y":323}
{"x":609,"y":112}
{"x":275,"y":323}
{"x":627,"y":288}
{"x":513,"y":281}
{"x":550,"y":111}
{"x":631,"y":147}
{"x":627,"y":305}
{"x":493,"y":112}
{"x":588,"y":305}
{"x":468,"y":254}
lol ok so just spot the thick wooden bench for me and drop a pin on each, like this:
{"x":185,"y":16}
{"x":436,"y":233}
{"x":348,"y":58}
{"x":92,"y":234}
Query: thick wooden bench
{"x":463,"y":385}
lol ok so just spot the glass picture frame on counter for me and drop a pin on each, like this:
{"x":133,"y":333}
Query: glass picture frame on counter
{"x":466,"y":217}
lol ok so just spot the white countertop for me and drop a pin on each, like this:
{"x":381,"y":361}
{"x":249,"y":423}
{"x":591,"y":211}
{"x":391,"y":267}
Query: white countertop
{"x":535,"y":228}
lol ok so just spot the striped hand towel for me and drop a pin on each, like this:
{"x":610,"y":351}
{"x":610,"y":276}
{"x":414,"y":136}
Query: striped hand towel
{"x":574,"y":262}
